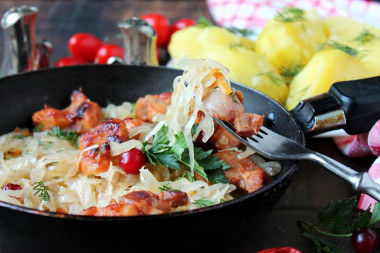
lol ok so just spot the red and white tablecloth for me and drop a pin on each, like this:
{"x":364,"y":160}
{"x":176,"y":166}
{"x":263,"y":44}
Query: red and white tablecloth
{"x":253,"y":15}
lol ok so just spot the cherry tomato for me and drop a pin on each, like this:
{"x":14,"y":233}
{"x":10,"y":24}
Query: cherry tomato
{"x":161,"y":25}
{"x":132,"y":161}
{"x":84,"y":46}
{"x":364,"y":240}
{"x":13,"y":187}
{"x":182,"y":24}
{"x":108,"y":50}
{"x":69,"y":60}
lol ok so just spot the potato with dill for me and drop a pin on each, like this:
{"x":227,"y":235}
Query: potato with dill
{"x":361,"y":36}
{"x":291,"y":38}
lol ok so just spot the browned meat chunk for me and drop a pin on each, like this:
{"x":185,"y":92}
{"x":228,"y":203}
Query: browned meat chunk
{"x":80,"y":116}
{"x":243,"y":173}
{"x":141,"y":203}
{"x":150,"y":105}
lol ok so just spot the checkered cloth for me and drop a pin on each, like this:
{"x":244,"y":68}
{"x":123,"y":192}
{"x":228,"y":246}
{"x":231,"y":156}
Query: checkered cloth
{"x":253,"y":15}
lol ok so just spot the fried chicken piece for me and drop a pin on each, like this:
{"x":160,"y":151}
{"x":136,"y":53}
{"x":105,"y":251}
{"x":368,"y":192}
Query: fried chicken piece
{"x":98,"y":159}
{"x":80,"y":116}
{"x":149,"y":106}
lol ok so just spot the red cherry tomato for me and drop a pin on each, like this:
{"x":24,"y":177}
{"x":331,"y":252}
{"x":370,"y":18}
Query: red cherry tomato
{"x":12,"y":187}
{"x":132,"y":161}
{"x":69,"y":60}
{"x":161,"y":25}
{"x":108,"y":50}
{"x":364,"y":240}
{"x":84,"y":46}
{"x":182,"y":24}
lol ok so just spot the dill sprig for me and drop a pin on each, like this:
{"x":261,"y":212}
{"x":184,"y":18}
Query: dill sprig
{"x":290,"y":71}
{"x":166,"y":187}
{"x":336,"y":45}
{"x":69,"y":135}
{"x":42,"y":191}
{"x":365,"y":36}
{"x":275,"y":78}
{"x":203,"y":202}
{"x":289,"y":15}
{"x":241,"y":32}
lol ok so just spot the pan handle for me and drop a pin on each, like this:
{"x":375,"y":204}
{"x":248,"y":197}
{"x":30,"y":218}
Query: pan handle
{"x":351,"y":105}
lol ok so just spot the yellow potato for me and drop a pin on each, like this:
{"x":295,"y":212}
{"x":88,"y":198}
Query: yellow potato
{"x":189,"y":41}
{"x":325,"y":68}
{"x":347,"y":30}
{"x":249,"y":68}
{"x":293,"y":41}
{"x":361,"y":36}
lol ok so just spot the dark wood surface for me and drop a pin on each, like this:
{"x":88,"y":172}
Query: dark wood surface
{"x":312,"y":186}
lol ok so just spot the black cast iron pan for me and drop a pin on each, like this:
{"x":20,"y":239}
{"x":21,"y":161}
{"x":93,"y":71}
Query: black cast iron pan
{"x":23,"y":94}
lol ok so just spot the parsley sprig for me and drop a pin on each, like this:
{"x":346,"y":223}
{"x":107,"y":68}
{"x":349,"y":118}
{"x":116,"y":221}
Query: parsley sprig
{"x":337,"y":220}
{"x":42,"y":191}
{"x":161,"y":153}
{"x":66,"y":135}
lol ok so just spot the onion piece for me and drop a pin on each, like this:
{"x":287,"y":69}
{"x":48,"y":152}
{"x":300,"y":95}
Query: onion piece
{"x":272,"y":168}
{"x":119,"y":148}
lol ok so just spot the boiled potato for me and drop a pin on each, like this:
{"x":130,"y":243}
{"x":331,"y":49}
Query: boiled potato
{"x":363,"y":37}
{"x":291,"y":38}
{"x":328,"y":66}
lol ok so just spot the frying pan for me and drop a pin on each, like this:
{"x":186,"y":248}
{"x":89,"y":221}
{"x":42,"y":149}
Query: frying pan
{"x":23,"y":94}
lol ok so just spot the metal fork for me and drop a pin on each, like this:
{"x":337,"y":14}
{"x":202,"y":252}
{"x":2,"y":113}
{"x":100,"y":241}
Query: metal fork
{"x":277,"y":147}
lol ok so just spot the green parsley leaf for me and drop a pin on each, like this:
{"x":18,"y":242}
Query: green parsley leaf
{"x":168,"y":160}
{"x":321,"y":244}
{"x":362,"y":221}
{"x":203,"y":202}
{"x":178,"y":154}
{"x":179,"y":145}
{"x":335,"y":215}
{"x":375,"y":215}
{"x":217,"y":176}
{"x":42,"y":191}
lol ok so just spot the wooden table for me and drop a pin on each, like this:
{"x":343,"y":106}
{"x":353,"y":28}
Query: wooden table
{"x":312,"y":186}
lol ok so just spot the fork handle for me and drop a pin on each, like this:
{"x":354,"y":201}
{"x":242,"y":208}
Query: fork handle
{"x":359,"y":181}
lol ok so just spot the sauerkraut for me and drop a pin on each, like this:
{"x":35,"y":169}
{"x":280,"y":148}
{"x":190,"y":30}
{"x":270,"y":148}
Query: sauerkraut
{"x":45,"y":160}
